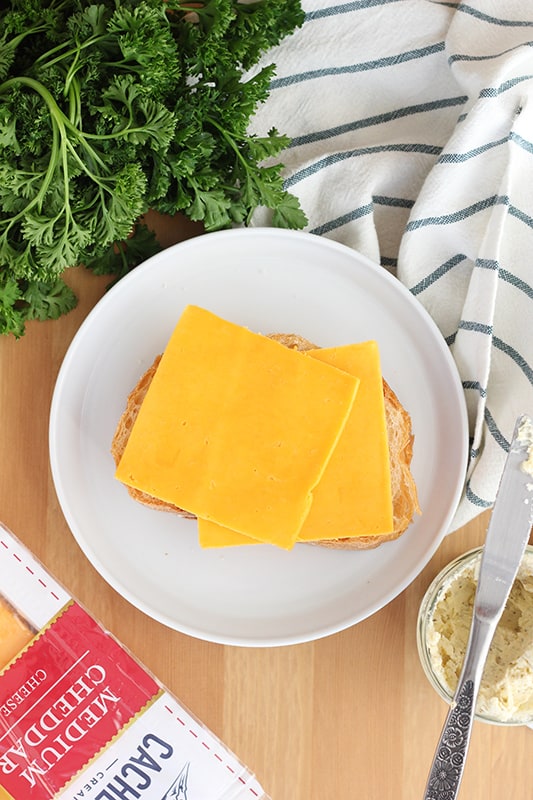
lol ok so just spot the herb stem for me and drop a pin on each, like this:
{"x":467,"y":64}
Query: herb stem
{"x":230,"y":140}
{"x":56,"y":115}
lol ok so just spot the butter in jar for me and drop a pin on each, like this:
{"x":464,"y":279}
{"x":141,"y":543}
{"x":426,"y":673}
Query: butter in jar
{"x":506,"y":691}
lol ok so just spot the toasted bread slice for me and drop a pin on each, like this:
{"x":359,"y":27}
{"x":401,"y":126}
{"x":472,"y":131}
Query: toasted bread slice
{"x":404,"y":493}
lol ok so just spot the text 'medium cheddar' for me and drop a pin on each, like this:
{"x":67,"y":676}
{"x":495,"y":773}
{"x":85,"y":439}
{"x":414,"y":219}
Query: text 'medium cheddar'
{"x":268,"y":439}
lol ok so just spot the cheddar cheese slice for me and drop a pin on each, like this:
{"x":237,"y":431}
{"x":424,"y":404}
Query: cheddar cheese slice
{"x":14,"y":634}
{"x":210,"y":534}
{"x":353,"y":496}
{"x":236,"y":428}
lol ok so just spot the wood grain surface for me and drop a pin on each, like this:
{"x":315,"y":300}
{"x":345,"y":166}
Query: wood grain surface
{"x":348,"y":716}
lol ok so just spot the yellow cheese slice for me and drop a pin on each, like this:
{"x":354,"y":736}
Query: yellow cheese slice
{"x":14,"y":634}
{"x":210,"y":534}
{"x":353,"y":496}
{"x":237,"y":428}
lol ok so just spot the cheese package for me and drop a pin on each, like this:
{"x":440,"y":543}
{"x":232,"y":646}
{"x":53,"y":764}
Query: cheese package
{"x":80,"y":717}
{"x":244,"y":435}
{"x":353,"y":496}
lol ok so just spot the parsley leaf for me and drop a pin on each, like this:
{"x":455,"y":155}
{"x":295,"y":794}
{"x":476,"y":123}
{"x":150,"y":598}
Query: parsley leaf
{"x":110,"y":108}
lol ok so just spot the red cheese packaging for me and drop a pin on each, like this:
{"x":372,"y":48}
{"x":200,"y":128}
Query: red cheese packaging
{"x":81,"y":718}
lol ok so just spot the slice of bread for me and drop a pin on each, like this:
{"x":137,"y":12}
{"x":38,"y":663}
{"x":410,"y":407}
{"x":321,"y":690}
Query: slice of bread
{"x":404,"y":493}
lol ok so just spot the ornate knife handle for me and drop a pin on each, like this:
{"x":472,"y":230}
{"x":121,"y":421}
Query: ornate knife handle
{"x":447,"y":768}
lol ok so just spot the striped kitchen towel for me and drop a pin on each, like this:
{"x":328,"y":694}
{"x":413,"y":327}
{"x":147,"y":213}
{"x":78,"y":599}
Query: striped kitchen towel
{"x":412,"y":141}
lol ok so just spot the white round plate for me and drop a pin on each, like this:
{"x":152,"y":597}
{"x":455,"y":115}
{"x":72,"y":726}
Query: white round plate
{"x":269,"y":280}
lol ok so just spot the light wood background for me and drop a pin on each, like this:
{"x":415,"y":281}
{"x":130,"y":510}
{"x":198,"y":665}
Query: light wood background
{"x":348,"y":716}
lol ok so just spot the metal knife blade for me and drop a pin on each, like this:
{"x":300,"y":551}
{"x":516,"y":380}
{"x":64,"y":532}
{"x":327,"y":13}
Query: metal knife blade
{"x":509,"y":527}
{"x":506,"y":540}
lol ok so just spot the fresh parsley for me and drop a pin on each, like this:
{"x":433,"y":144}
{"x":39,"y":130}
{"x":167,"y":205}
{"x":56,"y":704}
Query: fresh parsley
{"x":108,"y":109}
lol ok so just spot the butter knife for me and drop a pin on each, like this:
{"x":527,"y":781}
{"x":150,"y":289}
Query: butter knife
{"x":506,"y":540}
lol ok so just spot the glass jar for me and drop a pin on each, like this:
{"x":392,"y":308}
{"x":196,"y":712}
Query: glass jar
{"x":448,"y":604}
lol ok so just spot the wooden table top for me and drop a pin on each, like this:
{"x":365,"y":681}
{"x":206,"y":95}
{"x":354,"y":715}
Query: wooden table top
{"x":348,"y":716}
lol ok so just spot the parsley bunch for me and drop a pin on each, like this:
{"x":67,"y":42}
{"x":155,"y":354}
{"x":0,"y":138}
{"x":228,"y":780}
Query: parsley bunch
{"x":110,"y":108}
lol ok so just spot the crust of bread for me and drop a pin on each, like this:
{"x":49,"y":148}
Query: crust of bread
{"x":404,"y":492}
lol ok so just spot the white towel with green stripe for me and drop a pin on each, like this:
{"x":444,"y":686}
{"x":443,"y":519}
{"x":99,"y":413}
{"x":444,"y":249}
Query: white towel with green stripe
{"x":411,"y":126}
